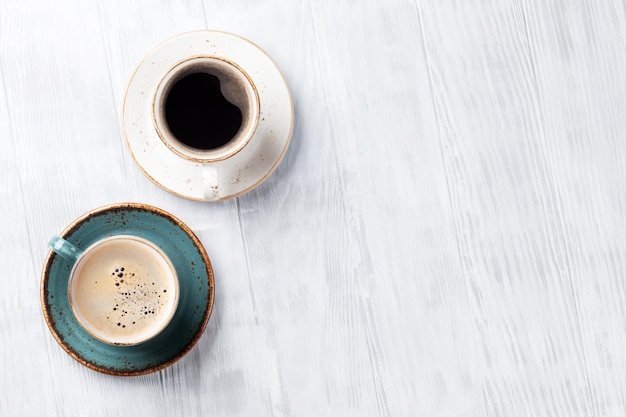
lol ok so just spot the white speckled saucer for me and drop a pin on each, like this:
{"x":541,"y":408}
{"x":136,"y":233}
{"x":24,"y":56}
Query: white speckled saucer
{"x":187,"y":174}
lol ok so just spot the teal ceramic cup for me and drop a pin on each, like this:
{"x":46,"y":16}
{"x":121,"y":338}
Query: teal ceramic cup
{"x":123,"y":289}
{"x":134,"y":254}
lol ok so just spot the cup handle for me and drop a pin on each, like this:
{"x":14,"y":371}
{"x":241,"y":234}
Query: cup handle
{"x":64,"y":248}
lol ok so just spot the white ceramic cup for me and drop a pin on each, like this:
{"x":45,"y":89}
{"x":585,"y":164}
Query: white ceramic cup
{"x":123,"y":290}
{"x":207,"y":115}
{"x":231,"y":82}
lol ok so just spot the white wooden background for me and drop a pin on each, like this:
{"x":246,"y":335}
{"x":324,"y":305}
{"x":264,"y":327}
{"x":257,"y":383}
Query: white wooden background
{"x":446,"y":235}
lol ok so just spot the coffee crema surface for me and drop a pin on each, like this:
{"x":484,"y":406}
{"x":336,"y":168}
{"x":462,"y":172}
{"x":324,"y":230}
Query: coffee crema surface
{"x":123,"y":290}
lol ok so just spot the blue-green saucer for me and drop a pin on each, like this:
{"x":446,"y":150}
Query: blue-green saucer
{"x":195,"y":280}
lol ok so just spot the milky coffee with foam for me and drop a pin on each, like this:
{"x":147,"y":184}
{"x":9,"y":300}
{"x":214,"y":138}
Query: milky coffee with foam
{"x":123,"y":290}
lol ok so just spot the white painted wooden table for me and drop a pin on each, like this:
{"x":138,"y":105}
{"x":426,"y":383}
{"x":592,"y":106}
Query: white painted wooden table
{"x":446,"y":235}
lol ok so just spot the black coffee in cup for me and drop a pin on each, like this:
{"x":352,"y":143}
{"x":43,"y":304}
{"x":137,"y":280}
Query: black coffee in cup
{"x":198,"y":114}
{"x":206,"y":108}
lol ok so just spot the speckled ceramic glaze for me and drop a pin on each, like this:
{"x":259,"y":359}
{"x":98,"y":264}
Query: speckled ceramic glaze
{"x":195,"y":276}
{"x":244,"y":162}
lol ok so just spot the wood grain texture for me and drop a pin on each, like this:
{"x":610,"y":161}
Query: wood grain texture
{"x":445,"y":236}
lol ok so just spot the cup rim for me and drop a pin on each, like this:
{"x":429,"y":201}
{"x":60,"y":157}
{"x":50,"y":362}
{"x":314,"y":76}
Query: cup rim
{"x":176,"y":72}
{"x":161,"y":325}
